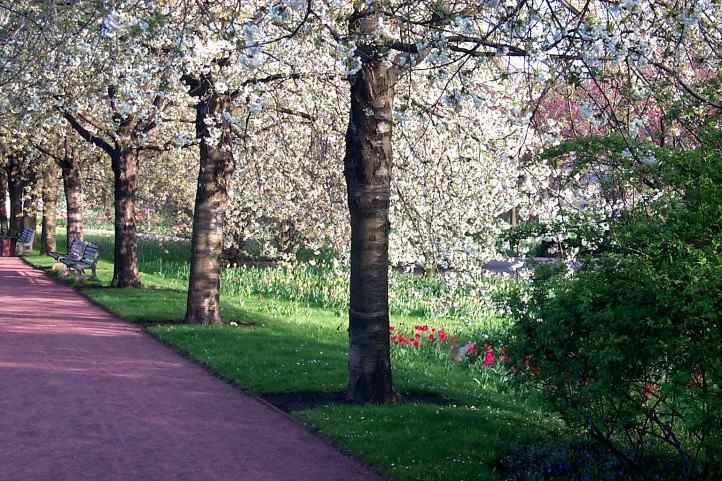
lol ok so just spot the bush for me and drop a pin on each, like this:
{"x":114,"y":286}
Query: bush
{"x":630,"y":346}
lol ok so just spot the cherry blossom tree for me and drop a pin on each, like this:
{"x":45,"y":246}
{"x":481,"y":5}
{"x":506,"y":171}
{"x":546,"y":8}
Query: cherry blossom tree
{"x":118,"y":115}
{"x":382,"y":41}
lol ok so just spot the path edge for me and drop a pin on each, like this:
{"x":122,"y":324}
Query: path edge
{"x":144,"y":329}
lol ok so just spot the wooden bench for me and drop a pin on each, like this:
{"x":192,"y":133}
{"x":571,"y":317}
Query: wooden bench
{"x":75,"y":253}
{"x":24,"y":242}
{"x":88,"y":260}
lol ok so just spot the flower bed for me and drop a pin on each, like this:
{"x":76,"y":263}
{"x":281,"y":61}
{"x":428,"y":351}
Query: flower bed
{"x":470,"y":351}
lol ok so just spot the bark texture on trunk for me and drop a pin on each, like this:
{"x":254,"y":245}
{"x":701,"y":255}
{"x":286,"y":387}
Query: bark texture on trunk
{"x":30,"y":207}
{"x":50,"y":209}
{"x":367,"y":168}
{"x":3,"y":202}
{"x":16,"y":208}
{"x":125,"y":172}
{"x":73,"y":199}
{"x":15,"y":189}
{"x":216,"y":167}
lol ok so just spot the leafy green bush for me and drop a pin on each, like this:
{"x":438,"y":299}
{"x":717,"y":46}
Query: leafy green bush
{"x":630,"y":346}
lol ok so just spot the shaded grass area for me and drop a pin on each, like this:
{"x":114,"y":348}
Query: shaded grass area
{"x":286,"y":346}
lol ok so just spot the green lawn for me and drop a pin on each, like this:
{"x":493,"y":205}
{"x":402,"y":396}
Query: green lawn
{"x":290,"y":340}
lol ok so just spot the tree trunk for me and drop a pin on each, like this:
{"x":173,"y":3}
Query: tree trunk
{"x":125,"y":258}
{"x":15,"y":188}
{"x":73,"y":200}
{"x":50,"y":209}
{"x":216,"y":167}
{"x":368,"y":174}
{"x":16,"y":208}
{"x":3,"y":202}
{"x":30,"y":207}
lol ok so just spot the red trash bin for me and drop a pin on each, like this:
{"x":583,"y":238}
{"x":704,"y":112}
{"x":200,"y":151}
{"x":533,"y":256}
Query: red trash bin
{"x":7,"y":247}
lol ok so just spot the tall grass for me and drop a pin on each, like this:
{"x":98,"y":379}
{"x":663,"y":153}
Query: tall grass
{"x":430,"y":298}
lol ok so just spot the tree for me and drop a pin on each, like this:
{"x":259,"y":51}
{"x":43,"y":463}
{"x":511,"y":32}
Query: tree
{"x":31,"y":196}
{"x":67,"y":158}
{"x":16,"y":187}
{"x":124,"y":160}
{"x":123,"y":138}
{"x":216,"y":167}
{"x":367,"y":168}
{"x":50,"y":208}
{"x":109,"y":86}
{"x":453,"y":39}
{"x":3,"y":202}
{"x":220,"y":79}
{"x":70,"y":169}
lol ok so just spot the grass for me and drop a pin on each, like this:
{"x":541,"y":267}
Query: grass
{"x":291,"y":337}
{"x":421,"y":441}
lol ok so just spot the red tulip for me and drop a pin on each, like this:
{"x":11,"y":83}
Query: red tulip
{"x":488,"y":358}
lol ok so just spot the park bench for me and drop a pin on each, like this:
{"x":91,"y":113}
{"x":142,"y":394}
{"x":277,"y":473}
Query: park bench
{"x":75,"y":252}
{"x":88,"y":260}
{"x":24,"y":241}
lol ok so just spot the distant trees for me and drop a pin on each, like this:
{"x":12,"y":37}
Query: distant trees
{"x":21,"y":177}
{"x":16,"y":187}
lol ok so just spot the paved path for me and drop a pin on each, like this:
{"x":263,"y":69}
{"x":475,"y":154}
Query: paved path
{"x":85,"y":396}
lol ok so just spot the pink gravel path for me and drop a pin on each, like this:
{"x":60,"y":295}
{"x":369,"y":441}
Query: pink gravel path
{"x":86,"y":396}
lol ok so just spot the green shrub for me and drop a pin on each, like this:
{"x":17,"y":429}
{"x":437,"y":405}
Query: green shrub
{"x":630,"y":346}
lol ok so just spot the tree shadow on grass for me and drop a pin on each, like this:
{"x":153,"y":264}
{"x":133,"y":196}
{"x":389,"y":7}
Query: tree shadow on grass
{"x":298,"y":401}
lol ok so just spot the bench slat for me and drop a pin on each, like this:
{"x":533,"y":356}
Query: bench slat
{"x":87,"y":259}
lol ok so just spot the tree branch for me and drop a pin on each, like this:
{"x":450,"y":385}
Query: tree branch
{"x":86,"y":134}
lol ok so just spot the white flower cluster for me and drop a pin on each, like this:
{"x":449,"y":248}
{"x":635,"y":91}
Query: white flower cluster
{"x":469,"y":76}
